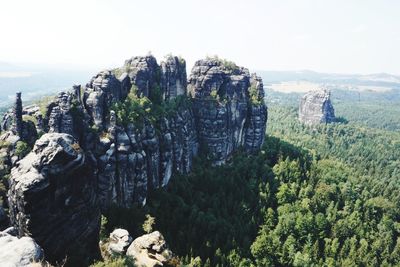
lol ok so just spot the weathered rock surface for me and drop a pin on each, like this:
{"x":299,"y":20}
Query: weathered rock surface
{"x":100,"y":93}
{"x":144,"y":73}
{"x":225,"y":115}
{"x":13,"y":121}
{"x":254,"y":134}
{"x":18,"y":251}
{"x":316,"y":107}
{"x":119,"y":241}
{"x":52,"y":198}
{"x":150,"y":250}
{"x":3,"y":217}
{"x":87,"y":159}
{"x":173,"y":77}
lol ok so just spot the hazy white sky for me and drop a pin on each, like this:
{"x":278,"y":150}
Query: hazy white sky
{"x":346,"y":36}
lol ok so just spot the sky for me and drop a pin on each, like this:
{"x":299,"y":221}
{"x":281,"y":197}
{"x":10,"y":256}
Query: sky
{"x":341,"y":36}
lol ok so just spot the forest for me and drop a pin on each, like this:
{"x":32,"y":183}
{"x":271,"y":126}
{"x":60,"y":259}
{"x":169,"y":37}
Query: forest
{"x":313,"y":196}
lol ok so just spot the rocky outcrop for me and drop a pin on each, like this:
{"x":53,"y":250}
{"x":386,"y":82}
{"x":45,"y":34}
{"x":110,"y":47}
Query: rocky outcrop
{"x":150,"y":250}
{"x":14,"y":123}
{"x":144,"y":73}
{"x":226,"y":116}
{"x":91,"y":158}
{"x":316,"y":107}
{"x":135,"y":158}
{"x":173,"y":77}
{"x":226,"y":112}
{"x":100,"y":93}
{"x":52,"y":198}
{"x":254,"y":134}
{"x":18,"y":251}
{"x":119,"y":242}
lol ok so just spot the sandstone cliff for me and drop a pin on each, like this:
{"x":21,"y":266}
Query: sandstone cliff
{"x":101,"y":148}
{"x":228,"y":107}
{"x":316,"y":107}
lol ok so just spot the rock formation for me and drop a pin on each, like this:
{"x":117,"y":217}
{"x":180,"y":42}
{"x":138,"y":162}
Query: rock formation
{"x":18,"y":251}
{"x":119,"y":242}
{"x":173,"y":77}
{"x":90,"y":158}
{"x":226,"y":112}
{"x":100,"y":93}
{"x":316,"y":107}
{"x":14,"y":123}
{"x":144,"y":73}
{"x":150,"y":250}
{"x":226,"y":115}
{"x":18,"y":114}
{"x":52,"y":198}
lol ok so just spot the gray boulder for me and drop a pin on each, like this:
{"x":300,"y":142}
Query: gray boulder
{"x":52,"y":197}
{"x":149,"y":250}
{"x":316,"y":108}
{"x":119,"y":241}
{"x":18,"y":251}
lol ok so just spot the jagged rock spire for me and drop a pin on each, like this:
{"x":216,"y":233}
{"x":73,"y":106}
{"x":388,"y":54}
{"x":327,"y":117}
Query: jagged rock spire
{"x":18,"y":126}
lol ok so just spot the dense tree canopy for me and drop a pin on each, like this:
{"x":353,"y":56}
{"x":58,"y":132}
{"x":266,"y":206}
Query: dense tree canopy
{"x":313,"y":196}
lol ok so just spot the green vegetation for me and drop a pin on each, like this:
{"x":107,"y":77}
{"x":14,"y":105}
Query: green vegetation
{"x":214,"y":94}
{"x":365,"y":109}
{"x":228,"y":65}
{"x":115,"y":262}
{"x":373,"y":154}
{"x":43,"y":102}
{"x":139,"y":109}
{"x":314,"y":196}
{"x":374,"y":114}
{"x":22,"y":149}
{"x":255,"y":97}
{"x":134,"y":109}
{"x":148,"y":224}
{"x":29,"y":118}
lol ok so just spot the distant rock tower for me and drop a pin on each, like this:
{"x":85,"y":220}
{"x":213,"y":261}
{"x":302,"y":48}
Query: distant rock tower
{"x":18,"y":114}
{"x":316,"y":107}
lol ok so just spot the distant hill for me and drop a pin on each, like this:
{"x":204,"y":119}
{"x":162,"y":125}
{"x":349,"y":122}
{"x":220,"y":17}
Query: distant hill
{"x":377,"y":79}
{"x":36,"y":82}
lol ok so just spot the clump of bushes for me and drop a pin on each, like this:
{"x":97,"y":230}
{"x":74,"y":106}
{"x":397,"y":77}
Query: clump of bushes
{"x":255,"y":97}
{"x":134,"y":109}
{"x":22,"y":149}
{"x":229,"y":65}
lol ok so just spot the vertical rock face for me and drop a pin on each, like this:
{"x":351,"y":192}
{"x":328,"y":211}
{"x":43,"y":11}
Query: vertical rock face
{"x":173,"y":77}
{"x":316,"y":107}
{"x":133,"y":159}
{"x":26,"y":130}
{"x":226,"y":112}
{"x":101,"y":92}
{"x":143,"y":72}
{"x":52,"y":197}
{"x":226,"y":116}
{"x":18,"y":114}
{"x":256,"y":118}
{"x":88,"y":159}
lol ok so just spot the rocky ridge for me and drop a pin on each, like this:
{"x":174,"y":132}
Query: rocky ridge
{"x":89,"y":158}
